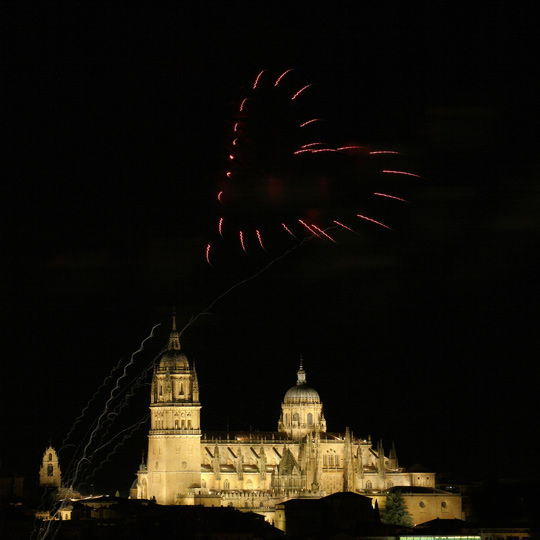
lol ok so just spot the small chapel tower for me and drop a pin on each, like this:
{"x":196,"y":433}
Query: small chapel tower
{"x":49,"y":472}
{"x":174,"y":450}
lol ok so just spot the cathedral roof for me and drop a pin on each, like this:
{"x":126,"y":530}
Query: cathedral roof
{"x":301,"y":393}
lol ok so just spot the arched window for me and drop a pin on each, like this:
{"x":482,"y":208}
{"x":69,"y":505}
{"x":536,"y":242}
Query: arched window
{"x":49,"y":470}
{"x":203,"y":483}
{"x":286,"y":419}
{"x":226,"y":485}
{"x":50,"y":457}
{"x":296,"y":417}
{"x":390,"y":484}
{"x":310,"y":419}
{"x":369,"y":485}
{"x":249,"y":484}
{"x":176,"y":423}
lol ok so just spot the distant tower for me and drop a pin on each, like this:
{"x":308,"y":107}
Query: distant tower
{"x":301,"y":410}
{"x":49,"y":472}
{"x":174,"y":441}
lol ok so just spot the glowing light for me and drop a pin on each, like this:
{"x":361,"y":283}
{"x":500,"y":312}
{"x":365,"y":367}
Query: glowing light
{"x":242,"y":104}
{"x":310,"y":144}
{"x":257,"y":79}
{"x":308,"y":227}
{"x":235,"y":142}
{"x":373,"y":221}
{"x":350,"y":147}
{"x":303,"y":151}
{"x":402,"y":172}
{"x":281,"y":76}
{"x":323,"y":233}
{"x":287,"y":229}
{"x":344,"y":226}
{"x":390,"y":196}
{"x":260,"y":238}
{"x":300,"y":91}
{"x":310,"y":122}
{"x":219,"y":196}
{"x":220,"y":226}
{"x":242,"y":241}
{"x":384,"y":152}
{"x":208,"y":254}
{"x":323,"y":150}
{"x":229,"y":173}
{"x":235,"y":128}
{"x":231,"y":157}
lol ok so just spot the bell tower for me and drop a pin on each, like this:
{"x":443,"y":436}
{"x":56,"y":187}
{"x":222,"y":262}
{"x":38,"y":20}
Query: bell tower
{"x":174,"y":447}
{"x":49,"y":472}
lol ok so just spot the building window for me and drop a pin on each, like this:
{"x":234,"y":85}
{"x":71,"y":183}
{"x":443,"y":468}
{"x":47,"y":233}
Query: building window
{"x":369,"y":485}
{"x":203,"y":483}
{"x":390,"y":483}
{"x":286,"y":419}
{"x":50,"y":457}
{"x":422,"y":504}
{"x":331,"y":461}
{"x":226,"y":484}
{"x":443,"y":504}
{"x":49,"y":470}
{"x":296,"y":417}
{"x":310,"y":419}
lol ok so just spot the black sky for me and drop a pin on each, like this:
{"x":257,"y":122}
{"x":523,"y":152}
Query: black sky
{"x":115,"y":120}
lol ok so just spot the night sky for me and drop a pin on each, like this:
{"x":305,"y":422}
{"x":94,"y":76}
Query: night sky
{"x":117,"y":121}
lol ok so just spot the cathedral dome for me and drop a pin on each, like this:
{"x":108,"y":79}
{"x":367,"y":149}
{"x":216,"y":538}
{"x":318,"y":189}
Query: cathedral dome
{"x":301,"y":393}
{"x":174,"y":360}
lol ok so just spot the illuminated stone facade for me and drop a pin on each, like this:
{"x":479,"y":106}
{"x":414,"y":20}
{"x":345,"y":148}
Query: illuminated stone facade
{"x":255,"y":470}
{"x":49,"y":472}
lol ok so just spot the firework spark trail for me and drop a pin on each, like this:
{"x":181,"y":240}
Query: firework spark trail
{"x":109,"y":401}
{"x":373,"y":221}
{"x":300,"y":91}
{"x":132,"y":429}
{"x":246,"y":280}
{"x":390,"y":196}
{"x":281,"y":76}
{"x":92,"y":399}
{"x":132,"y":386}
{"x":402,"y":173}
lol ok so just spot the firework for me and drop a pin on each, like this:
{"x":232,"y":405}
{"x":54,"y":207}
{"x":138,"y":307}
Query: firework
{"x":285,"y":180}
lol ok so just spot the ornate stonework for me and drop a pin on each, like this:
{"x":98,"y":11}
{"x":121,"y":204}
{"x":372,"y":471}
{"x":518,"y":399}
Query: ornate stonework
{"x":256,"y":470}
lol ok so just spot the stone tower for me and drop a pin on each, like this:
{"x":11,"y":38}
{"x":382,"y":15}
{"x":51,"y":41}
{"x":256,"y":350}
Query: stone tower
{"x":173,"y":467}
{"x":49,"y":472}
{"x":301,"y":410}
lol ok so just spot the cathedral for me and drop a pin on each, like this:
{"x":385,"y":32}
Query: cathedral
{"x":256,"y":471}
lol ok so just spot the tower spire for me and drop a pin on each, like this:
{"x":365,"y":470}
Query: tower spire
{"x":174,"y":337}
{"x":301,"y":373}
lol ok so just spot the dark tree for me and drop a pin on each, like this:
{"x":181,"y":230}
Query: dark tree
{"x":395,"y":512}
